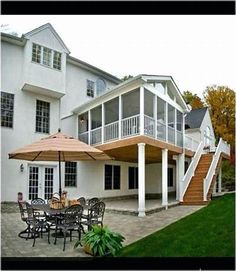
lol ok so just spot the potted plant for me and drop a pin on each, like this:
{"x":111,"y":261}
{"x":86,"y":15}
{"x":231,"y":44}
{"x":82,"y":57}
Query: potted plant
{"x":101,"y":241}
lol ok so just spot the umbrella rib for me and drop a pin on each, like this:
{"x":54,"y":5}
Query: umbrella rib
{"x":36,"y":156}
{"x":90,"y":155}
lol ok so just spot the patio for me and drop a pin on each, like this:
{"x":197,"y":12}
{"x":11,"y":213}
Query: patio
{"x":132,"y":227}
{"x":130,"y":206}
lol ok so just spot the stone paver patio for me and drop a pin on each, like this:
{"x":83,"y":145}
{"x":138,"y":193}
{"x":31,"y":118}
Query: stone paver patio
{"x":132,"y":227}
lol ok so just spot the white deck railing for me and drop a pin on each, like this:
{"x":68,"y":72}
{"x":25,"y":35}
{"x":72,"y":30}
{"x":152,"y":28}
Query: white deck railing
{"x":149,"y":126}
{"x":111,"y":131}
{"x":161,"y":130}
{"x":222,"y":147}
{"x":96,"y":136}
{"x":191,"y":169}
{"x":179,"y":139}
{"x":84,"y":137}
{"x":171,"y":135}
{"x":130,"y":126}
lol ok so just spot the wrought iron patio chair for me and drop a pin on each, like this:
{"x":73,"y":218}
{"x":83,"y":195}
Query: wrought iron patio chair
{"x":70,"y":222}
{"x":24,"y":217}
{"x":35,"y":223}
{"x":92,"y":201}
{"x":95,"y":215}
{"x":82,"y":201}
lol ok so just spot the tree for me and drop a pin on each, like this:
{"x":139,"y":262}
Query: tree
{"x":193,"y":100}
{"x":126,"y":77}
{"x":221,"y":103}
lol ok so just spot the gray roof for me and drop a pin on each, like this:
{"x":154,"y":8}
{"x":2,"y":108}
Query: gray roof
{"x":194,"y":118}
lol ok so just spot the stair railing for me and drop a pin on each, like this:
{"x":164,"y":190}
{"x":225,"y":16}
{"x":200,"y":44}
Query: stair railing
{"x":222,"y":147}
{"x":191,"y":169}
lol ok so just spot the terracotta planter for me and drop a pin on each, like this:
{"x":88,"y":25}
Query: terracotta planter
{"x":88,"y":250}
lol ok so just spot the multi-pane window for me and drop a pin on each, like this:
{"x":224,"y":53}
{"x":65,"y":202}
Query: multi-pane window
{"x":90,"y":88}
{"x":100,"y":86}
{"x":7,"y":109}
{"x":70,"y":174}
{"x":57,"y":60}
{"x":42,"y":116}
{"x":44,"y":56}
{"x":36,"y":53}
{"x":133,"y":178}
{"x":47,"y":56}
{"x":170,"y":176}
{"x":112,"y":177}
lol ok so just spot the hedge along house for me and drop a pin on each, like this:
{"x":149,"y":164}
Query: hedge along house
{"x":139,"y":122}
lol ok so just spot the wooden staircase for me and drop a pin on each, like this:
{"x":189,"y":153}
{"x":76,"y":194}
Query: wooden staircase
{"x":194,"y":192}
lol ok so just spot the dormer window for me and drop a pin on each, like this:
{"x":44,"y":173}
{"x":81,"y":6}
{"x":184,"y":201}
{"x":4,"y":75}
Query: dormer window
{"x":100,"y":86}
{"x":44,"y":56}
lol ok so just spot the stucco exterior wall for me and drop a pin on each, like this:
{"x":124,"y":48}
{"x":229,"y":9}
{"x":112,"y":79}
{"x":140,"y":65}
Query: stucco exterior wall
{"x":76,"y":88}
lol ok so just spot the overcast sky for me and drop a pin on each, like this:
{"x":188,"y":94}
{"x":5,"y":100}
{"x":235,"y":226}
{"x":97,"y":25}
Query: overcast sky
{"x":196,"y":50}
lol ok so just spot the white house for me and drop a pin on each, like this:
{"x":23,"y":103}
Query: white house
{"x":139,"y":122}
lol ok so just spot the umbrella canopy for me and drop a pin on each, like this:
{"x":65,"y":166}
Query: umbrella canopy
{"x":58,"y":147}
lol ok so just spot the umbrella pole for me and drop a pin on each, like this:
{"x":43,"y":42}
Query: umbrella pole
{"x":60,"y":174}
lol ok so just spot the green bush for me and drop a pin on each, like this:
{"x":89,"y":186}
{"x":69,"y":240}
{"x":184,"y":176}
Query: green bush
{"x":102,"y":241}
{"x":228,"y":176}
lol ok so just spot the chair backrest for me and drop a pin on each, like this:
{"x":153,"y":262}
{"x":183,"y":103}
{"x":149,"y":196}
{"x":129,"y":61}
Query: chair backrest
{"x":30,"y":212}
{"x":73,"y":215}
{"x":82,"y":201}
{"x":38,"y":201}
{"x":97,"y":211}
{"x":23,"y":211}
{"x":93,"y":201}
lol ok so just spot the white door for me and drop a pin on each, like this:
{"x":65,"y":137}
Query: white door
{"x":41,"y":182}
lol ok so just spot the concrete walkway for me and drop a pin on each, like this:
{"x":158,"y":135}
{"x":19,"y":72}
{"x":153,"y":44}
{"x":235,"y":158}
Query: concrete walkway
{"x":132,"y":227}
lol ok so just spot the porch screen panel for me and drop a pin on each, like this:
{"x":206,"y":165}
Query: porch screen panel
{"x":171,"y":124}
{"x":179,"y":127}
{"x":83,"y":127}
{"x":130,"y":104}
{"x":111,"y":112}
{"x":148,"y":103}
{"x":161,"y":119}
{"x":33,"y":182}
{"x":96,"y":123}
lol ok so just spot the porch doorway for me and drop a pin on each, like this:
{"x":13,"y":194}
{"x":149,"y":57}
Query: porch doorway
{"x":41,"y":182}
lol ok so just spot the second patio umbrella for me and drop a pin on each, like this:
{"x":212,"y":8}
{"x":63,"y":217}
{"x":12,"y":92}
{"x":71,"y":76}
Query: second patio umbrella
{"x":58,"y":147}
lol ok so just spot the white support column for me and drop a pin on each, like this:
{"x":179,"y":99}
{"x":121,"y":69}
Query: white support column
{"x":141,"y":130}
{"x":176,"y":158}
{"x":103,"y":123}
{"x":164,"y":177}
{"x":141,"y":179}
{"x":155,"y":115}
{"x":166,"y":113}
{"x":175,"y":126}
{"x":120,"y":117}
{"x":89,"y":127}
{"x":181,"y":165}
{"x":220,"y":181}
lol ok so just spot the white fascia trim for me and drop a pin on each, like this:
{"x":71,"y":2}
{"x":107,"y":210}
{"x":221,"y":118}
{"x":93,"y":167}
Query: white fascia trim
{"x":65,"y":117}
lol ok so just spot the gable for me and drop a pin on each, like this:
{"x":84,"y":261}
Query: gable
{"x":47,"y":36}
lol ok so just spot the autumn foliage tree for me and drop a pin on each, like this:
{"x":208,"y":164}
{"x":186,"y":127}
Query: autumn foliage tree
{"x":221,"y":103}
{"x":193,"y":100}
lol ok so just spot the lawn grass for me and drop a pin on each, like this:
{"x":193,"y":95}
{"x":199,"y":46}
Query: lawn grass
{"x":210,"y":232}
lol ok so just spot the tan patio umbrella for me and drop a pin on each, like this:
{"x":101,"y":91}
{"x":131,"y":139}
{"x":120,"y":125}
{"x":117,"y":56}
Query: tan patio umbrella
{"x":58,"y":147}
